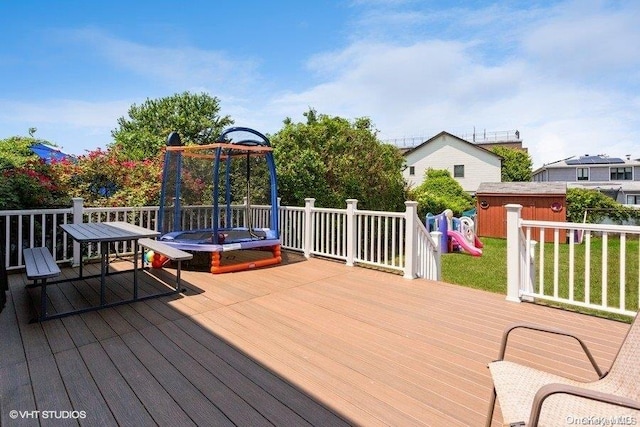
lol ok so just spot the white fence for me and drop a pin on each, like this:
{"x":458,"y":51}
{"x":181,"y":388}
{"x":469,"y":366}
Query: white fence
{"x":391,"y":240}
{"x":584,"y":265}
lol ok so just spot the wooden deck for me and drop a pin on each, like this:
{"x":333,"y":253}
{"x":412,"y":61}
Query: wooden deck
{"x":309,"y":342}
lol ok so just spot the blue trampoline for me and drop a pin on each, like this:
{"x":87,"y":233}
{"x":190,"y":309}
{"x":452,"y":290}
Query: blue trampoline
{"x":184,"y":178}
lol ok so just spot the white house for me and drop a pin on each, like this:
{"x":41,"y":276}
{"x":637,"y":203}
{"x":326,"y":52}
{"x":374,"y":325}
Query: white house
{"x":468,"y":163}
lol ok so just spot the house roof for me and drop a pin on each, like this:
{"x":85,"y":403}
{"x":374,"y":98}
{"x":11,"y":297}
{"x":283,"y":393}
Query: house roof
{"x":626,"y":186}
{"x":530,"y":188}
{"x":433,"y":138}
{"x":594,"y":160}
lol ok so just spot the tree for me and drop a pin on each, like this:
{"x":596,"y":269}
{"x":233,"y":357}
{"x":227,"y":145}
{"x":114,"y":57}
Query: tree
{"x":16,"y":151}
{"x":332,"y":159}
{"x":440,"y":191}
{"x":142,"y":135}
{"x":516,"y":164}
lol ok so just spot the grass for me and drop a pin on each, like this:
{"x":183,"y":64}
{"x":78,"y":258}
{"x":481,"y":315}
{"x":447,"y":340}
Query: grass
{"x":489,"y":271}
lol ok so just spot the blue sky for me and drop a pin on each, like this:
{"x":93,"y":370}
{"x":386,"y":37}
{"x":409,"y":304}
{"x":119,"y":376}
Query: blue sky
{"x":565,"y":74}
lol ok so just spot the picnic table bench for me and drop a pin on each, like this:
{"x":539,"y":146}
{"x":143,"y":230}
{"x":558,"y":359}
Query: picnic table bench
{"x":40,"y":266}
{"x":170,"y":252}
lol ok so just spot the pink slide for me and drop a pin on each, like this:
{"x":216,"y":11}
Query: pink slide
{"x":459,"y":239}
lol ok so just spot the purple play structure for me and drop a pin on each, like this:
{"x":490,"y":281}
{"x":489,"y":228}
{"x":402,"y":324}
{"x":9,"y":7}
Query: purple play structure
{"x":456,"y":233}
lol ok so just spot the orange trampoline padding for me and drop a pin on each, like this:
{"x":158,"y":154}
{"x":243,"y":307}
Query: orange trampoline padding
{"x":217,"y":267}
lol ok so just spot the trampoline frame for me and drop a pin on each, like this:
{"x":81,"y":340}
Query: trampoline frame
{"x":224,"y":150}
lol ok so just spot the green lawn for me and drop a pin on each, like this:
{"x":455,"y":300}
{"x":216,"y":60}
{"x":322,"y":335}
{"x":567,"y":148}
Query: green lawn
{"x":489,"y":271}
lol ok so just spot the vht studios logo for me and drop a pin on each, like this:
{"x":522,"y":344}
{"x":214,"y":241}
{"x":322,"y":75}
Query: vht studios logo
{"x":54,"y":415}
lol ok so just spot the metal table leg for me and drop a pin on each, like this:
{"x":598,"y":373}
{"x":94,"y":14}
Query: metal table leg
{"x":135,"y":269}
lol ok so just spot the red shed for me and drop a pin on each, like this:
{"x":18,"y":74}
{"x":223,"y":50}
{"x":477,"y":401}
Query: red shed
{"x":541,"y":201}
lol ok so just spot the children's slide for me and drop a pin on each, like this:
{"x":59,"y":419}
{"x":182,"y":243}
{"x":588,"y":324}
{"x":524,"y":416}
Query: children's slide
{"x":458,"y":238}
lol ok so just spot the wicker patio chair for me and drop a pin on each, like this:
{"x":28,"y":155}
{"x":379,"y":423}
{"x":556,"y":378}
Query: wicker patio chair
{"x":530,"y":397}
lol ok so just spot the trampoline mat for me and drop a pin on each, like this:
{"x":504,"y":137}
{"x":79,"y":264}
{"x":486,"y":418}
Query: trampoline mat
{"x":230,"y":236}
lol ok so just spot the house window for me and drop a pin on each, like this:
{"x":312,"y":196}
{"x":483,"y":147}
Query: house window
{"x":621,"y":174}
{"x":458,"y":171}
{"x":633,"y":199}
{"x":412,"y":170}
{"x":582,"y":174}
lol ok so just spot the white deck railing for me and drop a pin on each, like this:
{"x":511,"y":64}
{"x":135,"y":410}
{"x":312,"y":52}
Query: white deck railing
{"x":381,"y":241}
{"x":29,"y":228}
{"x":391,"y":240}
{"x":582,"y":265}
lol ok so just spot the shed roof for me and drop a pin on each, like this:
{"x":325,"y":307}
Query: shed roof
{"x":537,"y":188}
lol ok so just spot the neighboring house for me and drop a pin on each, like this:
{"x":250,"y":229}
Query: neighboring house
{"x":468,"y":163}
{"x":615,"y":177}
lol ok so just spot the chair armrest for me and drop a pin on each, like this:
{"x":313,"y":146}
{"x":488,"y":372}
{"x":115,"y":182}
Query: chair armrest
{"x":534,"y":327}
{"x":551,"y":389}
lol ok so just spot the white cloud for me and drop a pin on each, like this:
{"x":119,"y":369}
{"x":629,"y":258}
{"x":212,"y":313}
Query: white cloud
{"x":547,"y":88}
{"x":72,"y":112}
{"x":177,"y":66}
{"x":79,"y":125}
{"x":72,"y":124}
{"x":586,"y":38}
{"x":566,"y":76}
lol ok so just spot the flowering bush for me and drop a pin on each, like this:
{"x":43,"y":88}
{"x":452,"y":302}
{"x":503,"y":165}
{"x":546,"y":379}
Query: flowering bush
{"x":108,"y":178}
{"x":30,"y":186}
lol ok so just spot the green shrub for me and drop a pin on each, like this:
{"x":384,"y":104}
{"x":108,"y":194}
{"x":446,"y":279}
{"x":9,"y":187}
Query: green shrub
{"x":597,"y":206}
{"x":440,"y":191}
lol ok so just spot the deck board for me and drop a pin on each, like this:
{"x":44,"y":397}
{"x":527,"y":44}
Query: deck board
{"x":161,"y":406}
{"x":218,"y":351}
{"x":49,"y":389}
{"x":81,"y":388}
{"x":11,"y":349}
{"x":363,"y":351}
{"x":176,"y":383}
{"x":122,"y":401}
{"x":219,"y":392}
{"x":16,"y":391}
{"x":308,"y":342}
{"x":336,"y":363}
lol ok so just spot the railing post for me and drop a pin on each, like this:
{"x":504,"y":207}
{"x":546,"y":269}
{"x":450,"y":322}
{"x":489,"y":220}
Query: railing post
{"x":410,"y":240}
{"x":513,"y":252}
{"x":280,"y":217}
{"x":308,"y":226}
{"x":531,"y":279}
{"x":77,"y":209}
{"x":245,"y":205}
{"x":352,"y":229}
{"x":436,"y":236}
